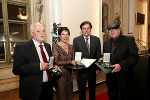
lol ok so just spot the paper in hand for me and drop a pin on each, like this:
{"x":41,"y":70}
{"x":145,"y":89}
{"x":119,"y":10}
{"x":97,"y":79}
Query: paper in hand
{"x":78,"y":56}
{"x":51,"y":61}
{"x":53,"y":69}
{"x":87,"y":62}
{"x":106,"y":57}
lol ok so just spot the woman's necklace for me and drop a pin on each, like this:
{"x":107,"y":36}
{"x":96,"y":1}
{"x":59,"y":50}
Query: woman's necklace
{"x":64,"y":46}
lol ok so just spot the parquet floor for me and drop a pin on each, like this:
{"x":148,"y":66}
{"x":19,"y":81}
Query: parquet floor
{"x":13,"y":94}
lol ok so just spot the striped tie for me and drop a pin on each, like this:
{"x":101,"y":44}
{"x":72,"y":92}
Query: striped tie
{"x":87,"y":44}
{"x":45,"y":60}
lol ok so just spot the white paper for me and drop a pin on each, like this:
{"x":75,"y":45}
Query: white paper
{"x":78,"y":56}
{"x":51,"y":61}
{"x":87,"y":62}
{"x":106,"y":57}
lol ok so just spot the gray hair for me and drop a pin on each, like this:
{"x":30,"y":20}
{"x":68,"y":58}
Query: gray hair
{"x":32,"y":26}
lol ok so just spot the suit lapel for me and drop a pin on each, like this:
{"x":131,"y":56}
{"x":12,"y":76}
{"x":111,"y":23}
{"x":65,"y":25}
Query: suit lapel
{"x":91,"y":43}
{"x":83,"y":43}
{"x":34,"y":51}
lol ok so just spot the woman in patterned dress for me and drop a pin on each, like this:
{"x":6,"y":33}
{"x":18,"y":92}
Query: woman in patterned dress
{"x":63,"y":53}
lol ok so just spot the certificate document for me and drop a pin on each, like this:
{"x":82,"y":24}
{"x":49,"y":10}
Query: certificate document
{"x":106,"y":57}
{"x":106,"y":60}
{"x":87,"y":62}
{"x":52,"y":69}
{"x":51,"y":61}
{"x":84,"y":63}
{"x":78,"y":56}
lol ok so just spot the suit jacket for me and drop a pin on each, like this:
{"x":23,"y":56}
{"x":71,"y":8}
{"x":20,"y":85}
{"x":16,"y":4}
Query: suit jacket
{"x":125,"y":52}
{"x":27,"y":65}
{"x":95,"y":47}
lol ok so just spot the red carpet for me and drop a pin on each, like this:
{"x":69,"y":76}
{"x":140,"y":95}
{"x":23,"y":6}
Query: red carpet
{"x":102,"y":96}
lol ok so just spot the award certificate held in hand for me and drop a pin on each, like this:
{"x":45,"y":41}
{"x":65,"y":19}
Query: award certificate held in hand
{"x":86,"y":62}
{"x":52,"y":69}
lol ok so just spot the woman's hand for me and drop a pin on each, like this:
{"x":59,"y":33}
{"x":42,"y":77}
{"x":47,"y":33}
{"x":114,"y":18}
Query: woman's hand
{"x":73,"y":62}
{"x":56,"y":67}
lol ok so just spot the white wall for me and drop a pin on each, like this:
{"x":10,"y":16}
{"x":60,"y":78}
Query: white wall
{"x":74,"y":12}
{"x":49,"y":15}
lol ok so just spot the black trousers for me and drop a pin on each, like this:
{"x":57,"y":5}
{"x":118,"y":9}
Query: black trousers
{"x":47,"y":91}
{"x":120,"y":86}
{"x":83,"y":77}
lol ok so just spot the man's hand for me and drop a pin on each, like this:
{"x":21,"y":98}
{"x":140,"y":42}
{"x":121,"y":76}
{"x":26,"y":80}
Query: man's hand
{"x":44,"y":65}
{"x":117,"y":68}
{"x":100,"y":60}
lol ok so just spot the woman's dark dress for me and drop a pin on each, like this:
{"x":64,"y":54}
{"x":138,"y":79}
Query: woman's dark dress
{"x":65,"y":84}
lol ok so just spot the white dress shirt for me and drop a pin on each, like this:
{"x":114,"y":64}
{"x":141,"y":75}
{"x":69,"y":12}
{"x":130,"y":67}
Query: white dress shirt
{"x":37,"y":45}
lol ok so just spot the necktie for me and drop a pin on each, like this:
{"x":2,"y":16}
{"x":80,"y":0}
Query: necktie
{"x":87,"y":44}
{"x":45,"y":60}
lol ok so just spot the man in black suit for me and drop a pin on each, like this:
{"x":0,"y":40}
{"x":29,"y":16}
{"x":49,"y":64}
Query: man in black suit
{"x":91,"y":50}
{"x":123,"y":57}
{"x":35,"y":82}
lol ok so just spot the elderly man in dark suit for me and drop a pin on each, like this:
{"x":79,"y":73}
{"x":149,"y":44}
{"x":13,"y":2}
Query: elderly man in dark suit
{"x":90,"y":47}
{"x":31,"y":64}
{"x":123,"y":57}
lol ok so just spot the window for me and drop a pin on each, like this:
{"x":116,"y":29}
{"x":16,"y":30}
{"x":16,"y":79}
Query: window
{"x":1,"y":9}
{"x":105,"y":20}
{"x":14,"y":26}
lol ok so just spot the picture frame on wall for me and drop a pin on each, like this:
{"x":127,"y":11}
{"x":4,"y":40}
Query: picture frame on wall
{"x":140,"y":18}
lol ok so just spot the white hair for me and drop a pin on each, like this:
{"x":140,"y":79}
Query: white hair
{"x":32,"y":25}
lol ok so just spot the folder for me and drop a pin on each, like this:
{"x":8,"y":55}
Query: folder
{"x":54,"y":71}
{"x":74,"y":67}
{"x":105,"y":69}
{"x":84,"y":63}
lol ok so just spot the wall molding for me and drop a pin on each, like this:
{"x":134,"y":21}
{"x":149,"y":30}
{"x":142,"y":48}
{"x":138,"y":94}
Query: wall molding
{"x":9,"y":80}
{"x":9,"y":84}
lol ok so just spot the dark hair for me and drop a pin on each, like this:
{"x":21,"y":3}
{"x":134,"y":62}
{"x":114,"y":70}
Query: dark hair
{"x":63,"y":29}
{"x":85,"y":22}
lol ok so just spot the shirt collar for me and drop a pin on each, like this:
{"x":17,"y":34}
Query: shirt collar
{"x":86,"y":37}
{"x":37,"y":43}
